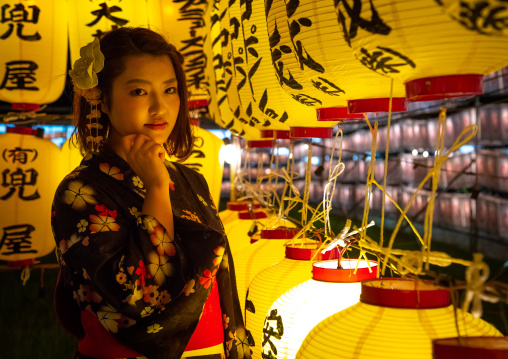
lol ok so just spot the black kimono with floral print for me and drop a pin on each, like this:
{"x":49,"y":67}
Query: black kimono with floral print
{"x":146,"y":288}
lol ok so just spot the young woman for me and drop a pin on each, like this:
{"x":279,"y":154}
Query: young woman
{"x":146,"y":269}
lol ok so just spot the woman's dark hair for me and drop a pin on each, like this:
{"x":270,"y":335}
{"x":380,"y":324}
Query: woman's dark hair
{"x":117,"y":45}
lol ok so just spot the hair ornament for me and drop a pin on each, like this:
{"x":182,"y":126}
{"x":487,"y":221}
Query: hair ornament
{"x":85,"y":80}
{"x":85,"y":69}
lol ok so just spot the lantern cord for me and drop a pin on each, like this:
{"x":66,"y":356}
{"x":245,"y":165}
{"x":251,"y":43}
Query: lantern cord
{"x":476,"y":276}
{"x":307,"y":184}
{"x":387,"y":151}
{"x":332,"y":180}
{"x":429,"y":213}
{"x":465,"y":136}
{"x":25,"y":274}
{"x":370,"y":175}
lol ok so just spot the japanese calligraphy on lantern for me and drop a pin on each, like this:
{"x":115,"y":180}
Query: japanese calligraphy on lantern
{"x":192,"y":28}
{"x":90,"y":19}
{"x":483,"y":17}
{"x":274,"y":329}
{"x":297,"y":58}
{"x":30,"y":170}
{"x":16,"y":16}
{"x":33,"y":38}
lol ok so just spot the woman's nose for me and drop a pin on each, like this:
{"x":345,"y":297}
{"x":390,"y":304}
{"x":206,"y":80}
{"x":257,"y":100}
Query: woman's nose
{"x":157,"y":106}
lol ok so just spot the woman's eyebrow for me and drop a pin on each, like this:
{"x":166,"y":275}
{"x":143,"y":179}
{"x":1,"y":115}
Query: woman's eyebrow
{"x":170,"y":81}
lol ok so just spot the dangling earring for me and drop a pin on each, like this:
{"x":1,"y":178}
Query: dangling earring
{"x":92,"y":96}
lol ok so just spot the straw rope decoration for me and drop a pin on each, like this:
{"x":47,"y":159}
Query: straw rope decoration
{"x":387,"y":151}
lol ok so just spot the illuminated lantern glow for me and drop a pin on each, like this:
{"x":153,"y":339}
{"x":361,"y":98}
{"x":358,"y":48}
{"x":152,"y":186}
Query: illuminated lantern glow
{"x":89,"y":19}
{"x":470,"y":348}
{"x":273,"y":281}
{"x":398,"y":39}
{"x":324,"y":72}
{"x":396,"y":318}
{"x":252,"y":259}
{"x":31,"y":171}
{"x":34,"y":51}
{"x":193,"y":21}
{"x":300,"y":308}
{"x":229,"y":79}
{"x":204,"y":159}
{"x":245,"y":67}
{"x":218,"y":104}
{"x":71,"y":154}
{"x":271,"y":106}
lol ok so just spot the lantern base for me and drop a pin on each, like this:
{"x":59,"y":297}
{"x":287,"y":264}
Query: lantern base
{"x":258,"y":213}
{"x":197,"y":103}
{"x":282,"y":135}
{"x":399,"y":104}
{"x":21,"y":263}
{"x":241,"y":205}
{"x":404,"y":293}
{"x":308,"y":251}
{"x":268,"y":134}
{"x":470,"y":348}
{"x":351,"y":271}
{"x":260,"y":143}
{"x":279,"y":233}
{"x":442,"y":87}
{"x":311,"y":132}
{"x":336,"y":114}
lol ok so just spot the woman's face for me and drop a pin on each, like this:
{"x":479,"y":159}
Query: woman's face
{"x":144,"y":99}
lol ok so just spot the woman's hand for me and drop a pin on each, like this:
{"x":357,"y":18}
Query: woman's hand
{"x":146,"y":158}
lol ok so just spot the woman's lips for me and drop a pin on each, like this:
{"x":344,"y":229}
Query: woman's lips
{"x":157,"y":127}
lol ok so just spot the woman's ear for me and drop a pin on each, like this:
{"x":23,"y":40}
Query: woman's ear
{"x":104,"y":106}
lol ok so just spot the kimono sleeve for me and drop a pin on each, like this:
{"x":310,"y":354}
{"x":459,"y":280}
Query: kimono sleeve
{"x":120,"y":260}
{"x":146,"y":288}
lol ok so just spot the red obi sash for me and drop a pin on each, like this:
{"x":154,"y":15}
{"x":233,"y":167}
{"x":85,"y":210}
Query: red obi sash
{"x":209,"y":330}
{"x":98,"y":342}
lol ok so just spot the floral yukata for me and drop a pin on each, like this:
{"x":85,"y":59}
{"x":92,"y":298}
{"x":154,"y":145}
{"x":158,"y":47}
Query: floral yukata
{"x":146,"y":288}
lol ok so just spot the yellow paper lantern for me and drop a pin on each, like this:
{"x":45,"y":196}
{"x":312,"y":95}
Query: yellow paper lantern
{"x":226,"y":76}
{"x":34,"y":51}
{"x":437,"y":55}
{"x":89,"y":19}
{"x":300,"y":308}
{"x":307,"y":39}
{"x":396,"y":318}
{"x":267,"y":104}
{"x":237,"y":227}
{"x":270,"y":283}
{"x":186,"y":25}
{"x":31,"y":171}
{"x":218,"y":104}
{"x":205,"y":159}
{"x":71,"y":155}
{"x":252,"y":259}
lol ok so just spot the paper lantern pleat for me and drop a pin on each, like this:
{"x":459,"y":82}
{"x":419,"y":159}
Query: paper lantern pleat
{"x":252,"y":259}
{"x":205,"y":160}
{"x":381,"y":331}
{"x":320,"y":61}
{"x":229,"y":79}
{"x":31,"y":170}
{"x":34,"y":51}
{"x":88,"y":19}
{"x":302,"y":307}
{"x":270,"y":283}
{"x":262,"y":92}
{"x":193,"y":23}
{"x":398,"y":39}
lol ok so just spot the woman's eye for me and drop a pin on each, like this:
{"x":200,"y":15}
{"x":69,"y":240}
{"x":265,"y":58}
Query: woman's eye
{"x":138,"y":92}
{"x":171,"y":90}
